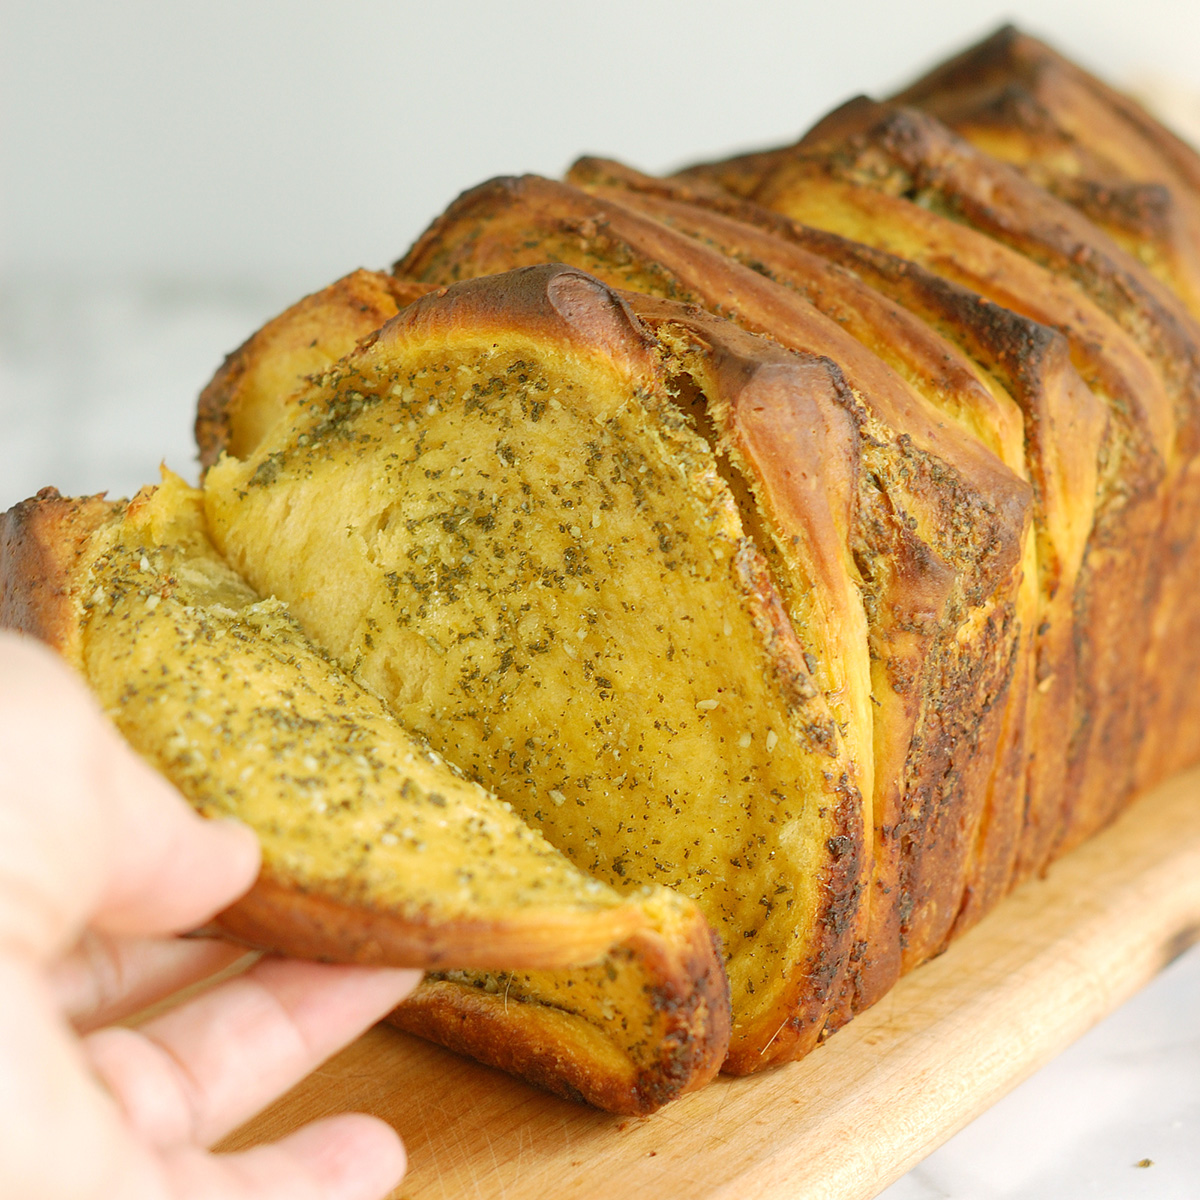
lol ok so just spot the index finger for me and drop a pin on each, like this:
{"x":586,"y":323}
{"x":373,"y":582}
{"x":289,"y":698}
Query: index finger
{"x":88,"y":831}
{"x":199,"y":1070}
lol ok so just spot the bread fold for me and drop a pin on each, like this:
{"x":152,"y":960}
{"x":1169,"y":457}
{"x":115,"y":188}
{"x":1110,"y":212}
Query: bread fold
{"x":375,"y":850}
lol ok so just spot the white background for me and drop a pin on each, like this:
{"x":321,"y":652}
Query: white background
{"x":293,"y":140}
{"x":174,"y":172}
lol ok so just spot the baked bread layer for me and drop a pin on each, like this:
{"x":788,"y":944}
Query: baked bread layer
{"x":374,"y":850}
{"x":941,"y":533}
{"x":526,"y":548}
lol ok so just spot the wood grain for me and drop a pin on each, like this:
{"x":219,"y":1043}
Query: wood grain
{"x":948,"y":1041}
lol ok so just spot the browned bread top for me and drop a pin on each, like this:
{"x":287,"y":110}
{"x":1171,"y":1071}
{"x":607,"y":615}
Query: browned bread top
{"x":246,"y":395}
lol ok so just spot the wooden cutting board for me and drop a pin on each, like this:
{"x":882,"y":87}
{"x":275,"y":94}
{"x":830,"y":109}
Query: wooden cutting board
{"x":948,"y":1041}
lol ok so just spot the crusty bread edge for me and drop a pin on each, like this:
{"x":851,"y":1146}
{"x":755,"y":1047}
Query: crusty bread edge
{"x":339,"y":315}
{"x":690,"y":1006}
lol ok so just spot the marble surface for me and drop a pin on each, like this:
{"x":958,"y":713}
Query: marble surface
{"x":97,"y":385}
{"x":1126,"y":1093}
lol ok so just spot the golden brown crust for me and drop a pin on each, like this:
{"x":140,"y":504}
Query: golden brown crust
{"x":246,"y":395}
{"x":784,"y":414}
{"x":1015,"y":96}
{"x":283,"y":918}
{"x":558,"y":304}
{"x":554,"y":1050}
{"x":739,"y":175}
{"x":42,"y":544}
{"x":1094,"y":133}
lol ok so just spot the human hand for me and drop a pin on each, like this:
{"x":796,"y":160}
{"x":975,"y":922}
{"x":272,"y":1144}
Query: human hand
{"x":100,"y":863}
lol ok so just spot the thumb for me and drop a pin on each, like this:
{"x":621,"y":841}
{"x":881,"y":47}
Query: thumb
{"x":169,"y":869}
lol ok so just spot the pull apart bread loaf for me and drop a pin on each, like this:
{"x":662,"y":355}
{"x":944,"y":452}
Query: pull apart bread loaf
{"x":801,"y":545}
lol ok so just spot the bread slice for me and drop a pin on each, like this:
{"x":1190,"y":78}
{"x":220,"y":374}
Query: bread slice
{"x":374,"y":849}
{"x":1022,"y":102}
{"x":246,"y":395}
{"x":996,"y":363}
{"x":1019,"y":101}
{"x":941,"y":531}
{"x":813,"y":188}
{"x":499,"y":517}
